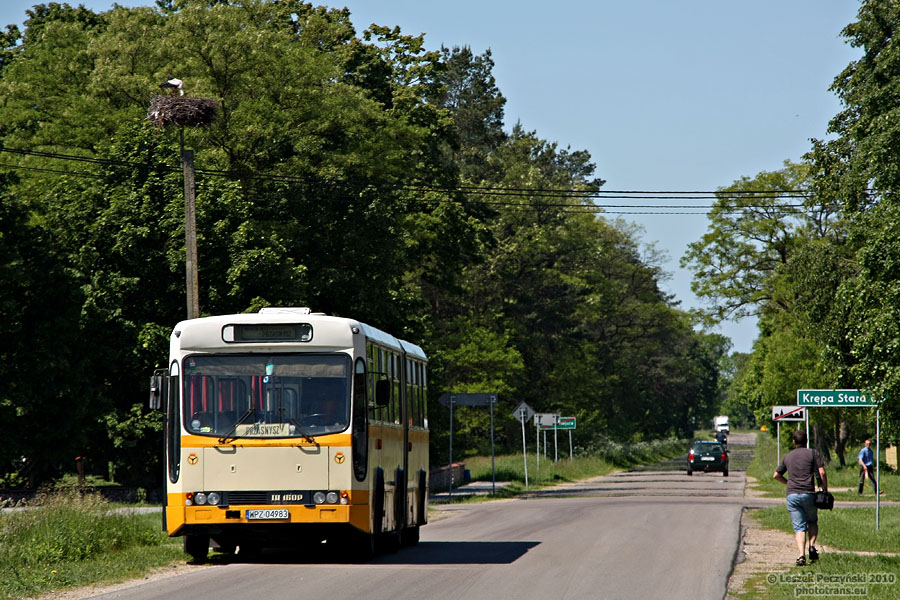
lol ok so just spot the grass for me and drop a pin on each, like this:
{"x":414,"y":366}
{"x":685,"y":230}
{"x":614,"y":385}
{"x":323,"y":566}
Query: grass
{"x":840,"y":573}
{"x":72,"y":540}
{"x":602,"y":460}
{"x":833,"y":576}
{"x":850,"y":529}
{"x":842,"y":482}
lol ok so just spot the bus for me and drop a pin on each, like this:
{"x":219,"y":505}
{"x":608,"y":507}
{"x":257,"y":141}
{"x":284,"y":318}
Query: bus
{"x":286,"y":427}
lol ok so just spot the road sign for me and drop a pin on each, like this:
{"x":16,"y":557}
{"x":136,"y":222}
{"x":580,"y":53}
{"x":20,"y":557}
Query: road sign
{"x":468,"y":399}
{"x":566,"y":423}
{"x":835,"y":398}
{"x":523,"y":412}
{"x":788,"y":413}
{"x":477,"y":399}
{"x":846,"y":398}
{"x":542,"y":420}
{"x":562,"y":424}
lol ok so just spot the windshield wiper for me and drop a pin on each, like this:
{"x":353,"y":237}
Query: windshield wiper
{"x":229,"y":436}
{"x":299,"y":427}
{"x":305,"y":435}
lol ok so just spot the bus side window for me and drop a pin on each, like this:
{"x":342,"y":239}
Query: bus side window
{"x":396,"y":409}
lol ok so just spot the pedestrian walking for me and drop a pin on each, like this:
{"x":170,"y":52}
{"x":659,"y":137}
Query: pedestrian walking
{"x":802,"y":464}
{"x":865,"y":458}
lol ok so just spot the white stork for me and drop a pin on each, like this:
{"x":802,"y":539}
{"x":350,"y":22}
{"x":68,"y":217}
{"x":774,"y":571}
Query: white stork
{"x":172,"y":85}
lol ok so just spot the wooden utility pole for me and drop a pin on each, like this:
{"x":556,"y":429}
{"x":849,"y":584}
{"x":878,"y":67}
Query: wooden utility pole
{"x":180,"y":110}
{"x":190,"y":233}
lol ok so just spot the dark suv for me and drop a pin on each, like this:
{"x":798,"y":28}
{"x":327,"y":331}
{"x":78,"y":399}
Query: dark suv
{"x":707,"y":456}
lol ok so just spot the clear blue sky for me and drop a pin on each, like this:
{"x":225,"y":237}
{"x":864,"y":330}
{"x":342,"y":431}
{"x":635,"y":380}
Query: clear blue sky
{"x":666,"y":96}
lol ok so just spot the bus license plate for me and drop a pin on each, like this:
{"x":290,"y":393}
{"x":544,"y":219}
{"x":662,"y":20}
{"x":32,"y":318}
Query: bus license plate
{"x":257,"y":514}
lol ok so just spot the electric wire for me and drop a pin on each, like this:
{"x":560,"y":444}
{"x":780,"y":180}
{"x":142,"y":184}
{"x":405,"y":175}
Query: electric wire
{"x":586,"y":196}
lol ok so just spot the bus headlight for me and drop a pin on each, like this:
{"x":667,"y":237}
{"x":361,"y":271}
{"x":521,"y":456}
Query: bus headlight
{"x":200,"y":498}
{"x":331,"y":497}
{"x":213,"y":498}
{"x":319,"y":497}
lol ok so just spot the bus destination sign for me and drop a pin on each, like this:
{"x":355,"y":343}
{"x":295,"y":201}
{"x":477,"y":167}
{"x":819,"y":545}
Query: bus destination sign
{"x":267,"y":332}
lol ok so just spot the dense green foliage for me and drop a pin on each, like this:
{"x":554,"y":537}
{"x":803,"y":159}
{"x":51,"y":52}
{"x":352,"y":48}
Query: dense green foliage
{"x":814,"y":251}
{"x":358,"y":173}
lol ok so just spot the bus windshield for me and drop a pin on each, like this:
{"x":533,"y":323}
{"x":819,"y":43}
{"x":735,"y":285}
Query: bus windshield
{"x":265,"y":396}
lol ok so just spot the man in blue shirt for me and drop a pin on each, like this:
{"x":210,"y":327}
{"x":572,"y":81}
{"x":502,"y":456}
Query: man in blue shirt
{"x":865,"y":458}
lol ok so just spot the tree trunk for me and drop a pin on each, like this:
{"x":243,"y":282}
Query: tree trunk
{"x":820,"y":441}
{"x":841,"y":437}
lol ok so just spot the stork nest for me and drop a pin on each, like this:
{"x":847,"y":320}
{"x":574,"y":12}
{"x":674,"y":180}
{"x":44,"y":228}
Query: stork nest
{"x":181,"y":110}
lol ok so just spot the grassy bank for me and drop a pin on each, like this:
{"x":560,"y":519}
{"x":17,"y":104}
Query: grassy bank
{"x":602,"y":459}
{"x":841,"y":572}
{"x":842,"y":482}
{"x":70,"y":540}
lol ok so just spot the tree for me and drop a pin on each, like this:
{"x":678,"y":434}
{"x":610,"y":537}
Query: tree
{"x":755,"y":225}
{"x":571,"y":293}
{"x":301,"y":196}
{"x":861,"y":169}
{"x":45,"y":393}
{"x":766,"y":255}
{"x":470,"y":92}
{"x":360,"y":175}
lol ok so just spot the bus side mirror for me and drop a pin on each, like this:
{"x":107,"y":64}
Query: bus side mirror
{"x":382,"y":392}
{"x":156,"y":387}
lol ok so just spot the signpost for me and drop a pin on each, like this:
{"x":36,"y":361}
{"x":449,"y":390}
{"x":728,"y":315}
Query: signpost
{"x":523,"y":412}
{"x":786,"y":413}
{"x":480,"y":399}
{"x":541,"y":422}
{"x":559,"y":423}
{"x":847,"y":398}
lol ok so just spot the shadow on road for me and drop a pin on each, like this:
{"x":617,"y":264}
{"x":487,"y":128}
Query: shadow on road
{"x":424,"y":553}
{"x":459,"y":553}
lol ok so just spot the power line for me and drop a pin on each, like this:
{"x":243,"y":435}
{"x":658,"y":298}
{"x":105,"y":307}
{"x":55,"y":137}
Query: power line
{"x":516,"y":192}
{"x":54,"y":171}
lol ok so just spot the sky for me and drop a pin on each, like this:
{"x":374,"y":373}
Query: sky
{"x":665,"y":96}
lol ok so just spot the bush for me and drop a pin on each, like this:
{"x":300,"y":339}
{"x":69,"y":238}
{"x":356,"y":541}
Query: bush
{"x":39,"y":544}
{"x":629,"y":454}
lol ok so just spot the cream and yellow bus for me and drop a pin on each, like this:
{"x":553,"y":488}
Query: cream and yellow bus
{"x":286,"y":427}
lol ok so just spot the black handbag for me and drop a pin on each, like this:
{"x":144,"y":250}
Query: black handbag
{"x":824,"y":500}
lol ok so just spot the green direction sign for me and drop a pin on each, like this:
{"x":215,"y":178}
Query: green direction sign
{"x":564,"y":423}
{"x":835,"y":398}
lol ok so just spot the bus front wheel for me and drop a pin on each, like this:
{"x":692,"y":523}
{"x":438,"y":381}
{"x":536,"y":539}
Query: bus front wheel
{"x":197,"y":546}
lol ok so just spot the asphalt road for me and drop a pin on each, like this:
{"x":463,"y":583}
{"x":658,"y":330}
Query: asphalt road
{"x":642,"y":534}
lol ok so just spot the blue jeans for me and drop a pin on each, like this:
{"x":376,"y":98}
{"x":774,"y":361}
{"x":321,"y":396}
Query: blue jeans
{"x":802,"y":508}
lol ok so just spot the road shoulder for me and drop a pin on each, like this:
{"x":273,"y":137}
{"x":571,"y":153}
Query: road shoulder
{"x":761,"y":551}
